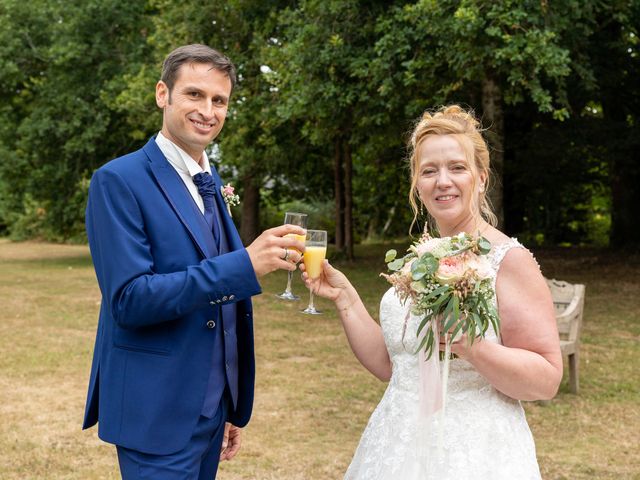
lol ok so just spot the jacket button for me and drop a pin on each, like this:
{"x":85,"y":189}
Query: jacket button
{"x":225,"y":298}
{"x":231,"y":297}
{"x":212,"y":303}
{"x":211,"y":324}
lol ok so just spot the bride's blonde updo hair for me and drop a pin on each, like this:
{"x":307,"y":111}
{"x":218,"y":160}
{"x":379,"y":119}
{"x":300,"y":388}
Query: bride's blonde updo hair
{"x":466,"y":129}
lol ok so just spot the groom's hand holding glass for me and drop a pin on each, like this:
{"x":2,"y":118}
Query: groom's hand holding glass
{"x":273,"y":250}
{"x":300,"y":219}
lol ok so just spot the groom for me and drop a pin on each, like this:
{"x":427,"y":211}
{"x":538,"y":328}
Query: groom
{"x":173,"y":366}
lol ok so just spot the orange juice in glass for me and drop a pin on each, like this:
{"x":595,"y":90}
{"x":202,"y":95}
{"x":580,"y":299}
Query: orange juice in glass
{"x":315,"y":251}
{"x":313,"y":257}
{"x":300,"y":238}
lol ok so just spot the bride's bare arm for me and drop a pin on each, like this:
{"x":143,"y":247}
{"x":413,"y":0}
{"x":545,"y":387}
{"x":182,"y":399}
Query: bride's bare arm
{"x":528,"y":365}
{"x":363,"y":333}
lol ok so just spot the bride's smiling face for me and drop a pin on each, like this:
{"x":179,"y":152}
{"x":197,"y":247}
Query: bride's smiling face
{"x":446,"y":182}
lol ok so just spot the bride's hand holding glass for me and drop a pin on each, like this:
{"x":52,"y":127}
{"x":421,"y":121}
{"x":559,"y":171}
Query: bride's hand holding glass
{"x":331,"y":284}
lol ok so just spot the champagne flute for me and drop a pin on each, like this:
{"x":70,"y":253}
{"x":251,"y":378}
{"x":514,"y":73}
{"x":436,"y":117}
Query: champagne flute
{"x":315,"y":250}
{"x":300,"y":219}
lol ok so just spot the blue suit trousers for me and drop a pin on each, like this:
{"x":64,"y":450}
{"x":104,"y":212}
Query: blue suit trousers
{"x":198,"y":460}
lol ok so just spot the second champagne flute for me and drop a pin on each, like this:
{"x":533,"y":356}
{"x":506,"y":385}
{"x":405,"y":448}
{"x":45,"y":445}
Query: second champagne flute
{"x":315,"y":251}
{"x":300,"y":219}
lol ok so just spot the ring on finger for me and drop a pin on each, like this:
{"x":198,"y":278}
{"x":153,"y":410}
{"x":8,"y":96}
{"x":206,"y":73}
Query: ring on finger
{"x":286,"y":255}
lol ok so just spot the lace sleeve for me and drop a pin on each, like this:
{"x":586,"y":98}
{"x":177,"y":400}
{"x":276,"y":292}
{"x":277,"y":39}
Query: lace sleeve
{"x":501,"y":250}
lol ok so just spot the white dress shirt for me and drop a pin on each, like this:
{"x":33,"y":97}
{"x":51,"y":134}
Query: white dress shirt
{"x":186,"y":166}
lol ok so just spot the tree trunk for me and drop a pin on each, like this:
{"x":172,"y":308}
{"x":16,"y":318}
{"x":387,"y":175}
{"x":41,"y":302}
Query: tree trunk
{"x":348,"y":199}
{"x":618,"y":93}
{"x":493,"y":119}
{"x":624,"y":177}
{"x":250,"y":224}
{"x":338,"y":194}
{"x":625,"y":198}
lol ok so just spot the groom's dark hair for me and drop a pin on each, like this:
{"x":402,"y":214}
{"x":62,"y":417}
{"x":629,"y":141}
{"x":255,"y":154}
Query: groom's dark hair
{"x":195,"y":53}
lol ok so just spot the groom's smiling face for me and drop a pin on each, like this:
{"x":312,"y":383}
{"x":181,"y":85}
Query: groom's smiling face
{"x":195,"y":108}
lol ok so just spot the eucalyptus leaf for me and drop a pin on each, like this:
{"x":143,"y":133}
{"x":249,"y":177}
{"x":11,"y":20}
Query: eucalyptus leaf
{"x":438,"y":302}
{"x":484,"y":246}
{"x":451,"y":321}
{"x":495,"y":321}
{"x":418,"y":271}
{"x":390,"y":256}
{"x":418,"y":287}
{"x":431,"y":263}
{"x":438,"y":291}
{"x":396,"y":265}
{"x":476,"y":321}
{"x":448,"y":309}
{"x":425,"y":340}
{"x":456,"y":306}
{"x":422,"y":324}
{"x":471,"y":302}
{"x":459,"y":327}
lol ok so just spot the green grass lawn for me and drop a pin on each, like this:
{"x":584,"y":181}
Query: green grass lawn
{"x":313,"y":399}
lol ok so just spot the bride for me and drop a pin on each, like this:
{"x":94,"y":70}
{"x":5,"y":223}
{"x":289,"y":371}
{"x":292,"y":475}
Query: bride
{"x":483,"y":433}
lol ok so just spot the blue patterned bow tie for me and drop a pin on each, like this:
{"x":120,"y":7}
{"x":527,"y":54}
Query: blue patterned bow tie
{"x":207,"y":189}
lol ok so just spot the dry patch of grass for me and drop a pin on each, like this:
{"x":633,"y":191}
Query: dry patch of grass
{"x":313,"y":399}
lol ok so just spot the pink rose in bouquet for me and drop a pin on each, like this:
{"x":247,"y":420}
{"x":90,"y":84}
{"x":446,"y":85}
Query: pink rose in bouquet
{"x":479,"y":267}
{"x":451,"y":269}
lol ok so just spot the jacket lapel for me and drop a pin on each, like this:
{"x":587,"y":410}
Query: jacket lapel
{"x":178,"y":197}
{"x":228,"y":227}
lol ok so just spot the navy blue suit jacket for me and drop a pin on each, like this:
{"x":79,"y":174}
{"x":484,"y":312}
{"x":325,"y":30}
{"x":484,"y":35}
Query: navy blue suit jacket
{"x":160,"y":286}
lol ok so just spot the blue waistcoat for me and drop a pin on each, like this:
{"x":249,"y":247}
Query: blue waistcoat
{"x":224,"y":366}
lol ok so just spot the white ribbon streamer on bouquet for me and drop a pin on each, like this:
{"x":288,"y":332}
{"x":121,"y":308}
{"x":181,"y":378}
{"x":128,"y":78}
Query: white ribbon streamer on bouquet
{"x":445,"y":383}
{"x":430,"y":386}
{"x":432,"y":392}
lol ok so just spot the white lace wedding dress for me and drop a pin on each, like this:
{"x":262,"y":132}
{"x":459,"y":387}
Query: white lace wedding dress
{"x":485,"y":434}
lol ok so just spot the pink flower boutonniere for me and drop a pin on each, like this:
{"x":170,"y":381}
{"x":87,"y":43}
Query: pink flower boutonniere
{"x":230,"y":198}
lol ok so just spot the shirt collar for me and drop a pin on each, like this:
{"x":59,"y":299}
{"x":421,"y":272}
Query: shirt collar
{"x":180,"y":159}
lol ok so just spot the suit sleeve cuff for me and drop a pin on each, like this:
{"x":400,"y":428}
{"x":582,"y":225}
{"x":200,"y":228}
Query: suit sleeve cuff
{"x":240,"y":281}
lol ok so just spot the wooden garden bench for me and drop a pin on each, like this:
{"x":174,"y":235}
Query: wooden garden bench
{"x":568,"y":301}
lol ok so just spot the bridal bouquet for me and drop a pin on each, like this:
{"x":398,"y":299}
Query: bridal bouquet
{"x":448,"y":281}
